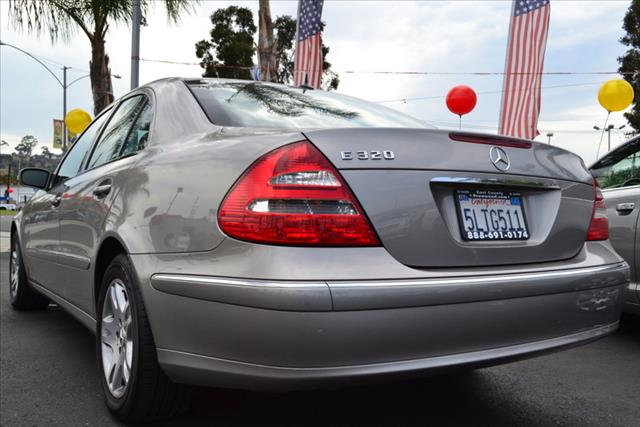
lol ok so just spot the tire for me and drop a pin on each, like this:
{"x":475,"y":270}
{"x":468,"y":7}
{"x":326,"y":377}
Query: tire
{"x":21,"y":294}
{"x":148,"y":394}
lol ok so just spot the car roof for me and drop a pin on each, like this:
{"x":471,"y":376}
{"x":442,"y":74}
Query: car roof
{"x":616,"y":154}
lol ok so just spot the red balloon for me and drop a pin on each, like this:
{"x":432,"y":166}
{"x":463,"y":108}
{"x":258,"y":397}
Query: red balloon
{"x":10,"y":190}
{"x":461,"y":100}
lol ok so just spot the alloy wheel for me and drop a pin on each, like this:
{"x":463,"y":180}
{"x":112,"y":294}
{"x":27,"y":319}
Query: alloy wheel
{"x":14,"y":272}
{"x":116,"y":336}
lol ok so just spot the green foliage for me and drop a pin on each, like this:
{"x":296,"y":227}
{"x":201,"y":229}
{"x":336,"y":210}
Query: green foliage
{"x":231,"y":44}
{"x":630,"y":61}
{"x":285,"y":29}
{"x":62,"y":18}
{"x":26,"y":146}
{"x":24,"y":156}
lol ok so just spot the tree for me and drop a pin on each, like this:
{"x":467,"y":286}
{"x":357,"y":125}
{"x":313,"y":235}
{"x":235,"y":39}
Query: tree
{"x":232,"y":45}
{"x":46,"y":152}
{"x":229,"y":52}
{"x":285,"y":27}
{"x":630,"y":61}
{"x":266,"y":44}
{"x":26,"y":146}
{"x":61,"y":18}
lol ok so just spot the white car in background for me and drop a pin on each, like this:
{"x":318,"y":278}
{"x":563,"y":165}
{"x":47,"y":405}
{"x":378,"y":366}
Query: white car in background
{"x":8,"y":207}
{"x":618,"y":172}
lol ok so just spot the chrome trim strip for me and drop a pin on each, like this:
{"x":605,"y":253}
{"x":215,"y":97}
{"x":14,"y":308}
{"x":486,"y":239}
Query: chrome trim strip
{"x":474,"y":279}
{"x":273,"y":295}
{"x":211,"y":280}
{"x":630,"y":187}
{"x":505,"y":182}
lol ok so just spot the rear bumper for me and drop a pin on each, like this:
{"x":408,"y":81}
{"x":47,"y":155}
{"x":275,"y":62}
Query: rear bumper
{"x":267,"y":334}
{"x":203,"y":370}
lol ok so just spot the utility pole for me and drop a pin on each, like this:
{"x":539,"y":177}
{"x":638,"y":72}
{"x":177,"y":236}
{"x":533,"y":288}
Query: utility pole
{"x":136,"y":17}
{"x":266,"y":44}
{"x":549,"y":135}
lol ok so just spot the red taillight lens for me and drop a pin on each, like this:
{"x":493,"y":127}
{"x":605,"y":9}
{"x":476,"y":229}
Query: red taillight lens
{"x":599,"y":228}
{"x":294,"y":196}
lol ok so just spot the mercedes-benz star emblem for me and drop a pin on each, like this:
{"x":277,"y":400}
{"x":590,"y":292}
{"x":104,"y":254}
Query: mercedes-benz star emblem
{"x":499,"y":158}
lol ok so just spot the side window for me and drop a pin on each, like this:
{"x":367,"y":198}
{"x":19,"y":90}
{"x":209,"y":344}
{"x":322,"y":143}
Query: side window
{"x":114,"y":134}
{"x":625,"y":172}
{"x":137,"y":138}
{"x":72,"y":162}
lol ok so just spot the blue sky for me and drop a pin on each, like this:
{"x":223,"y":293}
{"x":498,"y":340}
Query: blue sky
{"x":444,"y":36}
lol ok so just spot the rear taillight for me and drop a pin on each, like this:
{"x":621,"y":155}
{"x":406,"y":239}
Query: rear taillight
{"x":294,"y":196}
{"x":599,"y":227}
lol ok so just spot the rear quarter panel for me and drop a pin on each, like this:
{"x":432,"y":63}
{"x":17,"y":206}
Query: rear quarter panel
{"x":171,"y":198}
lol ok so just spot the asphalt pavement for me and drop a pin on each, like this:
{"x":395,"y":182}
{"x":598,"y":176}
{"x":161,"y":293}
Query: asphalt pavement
{"x":48,"y":376}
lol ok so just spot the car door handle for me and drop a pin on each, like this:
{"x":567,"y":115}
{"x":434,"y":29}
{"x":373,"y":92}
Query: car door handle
{"x":56,"y":200}
{"x":102,"y":190}
{"x":625,"y":208}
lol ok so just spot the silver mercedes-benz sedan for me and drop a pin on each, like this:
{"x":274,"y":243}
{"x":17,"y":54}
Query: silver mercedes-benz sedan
{"x":618,"y":172}
{"x":249,"y":235}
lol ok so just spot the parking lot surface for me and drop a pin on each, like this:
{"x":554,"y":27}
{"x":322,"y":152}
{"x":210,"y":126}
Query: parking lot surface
{"x":48,"y":376}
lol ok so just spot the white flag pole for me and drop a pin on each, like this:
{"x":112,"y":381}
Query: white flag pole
{"x":295,"y":44}
{"x":506,"y":67}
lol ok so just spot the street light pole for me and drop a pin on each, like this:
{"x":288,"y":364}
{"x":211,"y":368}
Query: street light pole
{"x":608,"y":130}
{"x":62,"y":83}
{"x":136,"y":16}
{"x":64,"y":107}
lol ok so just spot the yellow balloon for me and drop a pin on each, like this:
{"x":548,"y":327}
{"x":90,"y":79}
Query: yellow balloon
{"x":615,"y":95}
{"x":77,"y":120}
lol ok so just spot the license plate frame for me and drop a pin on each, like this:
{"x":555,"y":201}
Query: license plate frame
{"x":507,"y":198}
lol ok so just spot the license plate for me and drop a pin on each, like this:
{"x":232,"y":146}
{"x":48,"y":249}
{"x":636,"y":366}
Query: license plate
{"x":491,"y":215}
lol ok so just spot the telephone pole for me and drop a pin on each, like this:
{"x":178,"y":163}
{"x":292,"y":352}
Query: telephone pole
{"x":136,"y":17}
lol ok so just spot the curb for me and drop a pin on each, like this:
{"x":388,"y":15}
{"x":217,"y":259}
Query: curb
{"x":5,"y":241}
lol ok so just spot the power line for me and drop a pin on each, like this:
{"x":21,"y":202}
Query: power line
{"x":163,"y":61}
{"x":487,"y":92}
{"x":492,"y":73}
{"x":467,"y":125}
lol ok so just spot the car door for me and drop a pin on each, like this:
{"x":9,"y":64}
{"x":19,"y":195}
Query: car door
{"x":88,"y":197}
{"x":619,"y":176}
{"x":41,"y":233}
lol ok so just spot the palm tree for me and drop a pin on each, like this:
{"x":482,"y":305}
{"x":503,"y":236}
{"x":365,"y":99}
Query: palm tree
{"x":61,"y":18}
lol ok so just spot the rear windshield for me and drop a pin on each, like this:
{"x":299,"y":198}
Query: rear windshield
{"x":263,"y":105}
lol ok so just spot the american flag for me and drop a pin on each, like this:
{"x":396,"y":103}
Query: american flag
{"x":308,"y":63}
{"x":523,"y":69}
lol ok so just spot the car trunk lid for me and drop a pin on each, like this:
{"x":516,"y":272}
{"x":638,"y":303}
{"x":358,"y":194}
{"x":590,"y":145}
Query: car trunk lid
{"x":409,"y":182}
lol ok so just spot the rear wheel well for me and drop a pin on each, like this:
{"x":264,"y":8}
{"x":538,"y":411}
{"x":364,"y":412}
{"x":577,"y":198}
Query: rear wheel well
{"x":109,"y":249}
